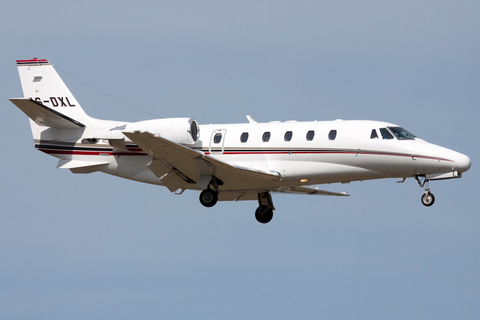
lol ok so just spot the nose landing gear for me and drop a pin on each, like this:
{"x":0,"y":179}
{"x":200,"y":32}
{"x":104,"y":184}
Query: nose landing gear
{"x":428,"y":198}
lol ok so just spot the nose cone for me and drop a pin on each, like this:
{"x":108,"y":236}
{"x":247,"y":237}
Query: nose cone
{"x":462,"y":162}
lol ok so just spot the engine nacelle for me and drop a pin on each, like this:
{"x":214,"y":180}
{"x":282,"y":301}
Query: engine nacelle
{"x":180,"y":130}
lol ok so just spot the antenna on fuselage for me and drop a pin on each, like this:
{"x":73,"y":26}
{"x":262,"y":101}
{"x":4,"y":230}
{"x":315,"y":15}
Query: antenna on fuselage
{"x":250,"y":119}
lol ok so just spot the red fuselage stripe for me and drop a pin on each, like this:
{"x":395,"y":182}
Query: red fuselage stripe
{"x":111,"y":153}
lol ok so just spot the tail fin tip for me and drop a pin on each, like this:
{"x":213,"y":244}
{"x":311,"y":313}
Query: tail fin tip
{"x":35,"y":61}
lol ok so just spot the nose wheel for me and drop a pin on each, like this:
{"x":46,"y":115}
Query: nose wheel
{"x":428,"y":198}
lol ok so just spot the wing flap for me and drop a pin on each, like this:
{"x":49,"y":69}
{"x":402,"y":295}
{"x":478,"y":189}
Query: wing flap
{"x":167,"y":175}
{"x":176,"y":156}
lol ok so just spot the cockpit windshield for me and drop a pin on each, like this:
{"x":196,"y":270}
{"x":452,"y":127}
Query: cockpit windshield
{"x":402,"y":134}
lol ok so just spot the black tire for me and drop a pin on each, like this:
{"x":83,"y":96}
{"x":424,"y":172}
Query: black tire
{"x":428,"y":199}
{"x":264,"y":214}
{"x":208,"y":198}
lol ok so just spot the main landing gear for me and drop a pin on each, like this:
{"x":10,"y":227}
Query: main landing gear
{"x":428,"y":198}
{"x":263,"y":214}
{"x":208,"y":198}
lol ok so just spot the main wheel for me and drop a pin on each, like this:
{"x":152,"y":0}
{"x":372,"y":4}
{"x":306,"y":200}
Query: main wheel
{"x":208,"y":198}
{"x":263,"y":214}
{"x":428,"y":199}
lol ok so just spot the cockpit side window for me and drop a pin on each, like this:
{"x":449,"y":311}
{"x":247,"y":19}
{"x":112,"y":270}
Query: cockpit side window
{"x":385,"y":133}
{"x":402,"y":134}
{"x":374,"y":134}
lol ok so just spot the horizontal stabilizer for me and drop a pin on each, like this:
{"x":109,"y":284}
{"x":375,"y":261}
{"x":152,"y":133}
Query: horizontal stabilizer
{"x":74,"y":164}
{"x":45,"y":116}
{"x":310,"y":190}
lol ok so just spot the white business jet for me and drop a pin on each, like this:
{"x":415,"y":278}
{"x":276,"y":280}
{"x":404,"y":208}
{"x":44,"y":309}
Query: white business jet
{"x":227,"y":161}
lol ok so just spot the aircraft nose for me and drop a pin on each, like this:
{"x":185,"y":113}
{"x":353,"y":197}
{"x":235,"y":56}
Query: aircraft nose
{"x":462,"y":162}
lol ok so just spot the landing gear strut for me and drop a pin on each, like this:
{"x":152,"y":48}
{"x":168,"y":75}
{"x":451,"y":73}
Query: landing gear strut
{"x":209,"y":197}
{"x":428,"y":198}
{"x":264,"y":212}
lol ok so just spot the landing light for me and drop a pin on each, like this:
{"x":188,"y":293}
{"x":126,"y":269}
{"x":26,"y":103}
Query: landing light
{"x":303,"y":180}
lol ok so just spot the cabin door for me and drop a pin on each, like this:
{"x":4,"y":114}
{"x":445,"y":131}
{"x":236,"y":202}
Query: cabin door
{"x":217,"y":141}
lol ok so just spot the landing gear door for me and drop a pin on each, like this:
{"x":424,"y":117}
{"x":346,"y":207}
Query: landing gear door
{"x":217,"y":141}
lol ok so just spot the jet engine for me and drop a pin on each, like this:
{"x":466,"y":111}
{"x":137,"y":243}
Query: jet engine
{"x":185,"y":131}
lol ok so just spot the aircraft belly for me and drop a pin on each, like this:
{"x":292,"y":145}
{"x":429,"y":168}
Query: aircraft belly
{"x":401,"y":165}
{"x":332,"y":173}
{"x":385,"y":165}
{"x":331,"y":168}
{"x":296,"y":170}
{"x":429,"y":166}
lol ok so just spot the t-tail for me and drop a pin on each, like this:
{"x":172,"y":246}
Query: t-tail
{"x":59,"y":125}
{"x":47,"y":101}
{"x":84,"y":144}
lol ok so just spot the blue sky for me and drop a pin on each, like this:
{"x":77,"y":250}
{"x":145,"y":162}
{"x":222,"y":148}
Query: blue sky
{"x":96,"y":246}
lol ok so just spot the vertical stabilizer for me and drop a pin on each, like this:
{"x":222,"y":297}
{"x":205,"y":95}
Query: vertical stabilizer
{"x":41,"y":82}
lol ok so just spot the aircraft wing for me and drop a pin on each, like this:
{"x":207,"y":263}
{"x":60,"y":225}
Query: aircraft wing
{"x":177,"y":166}
{"x":248,"y":195}
{"x":237,"y":196}
{"x":45,"y":116}
{"x":310,"y":190}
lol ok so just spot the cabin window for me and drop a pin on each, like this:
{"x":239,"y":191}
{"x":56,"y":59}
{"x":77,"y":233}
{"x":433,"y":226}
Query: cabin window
{"x":244,"y":137}
{"x":385,"y":133}
{"x":217,"y":138}
{"x":288,"y":135}
{"x":310,"y":135}
{"x":266,"y":136}
{"x":374,"y":134}
{"x":332,"y":135}
{"x":401,"y":133}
